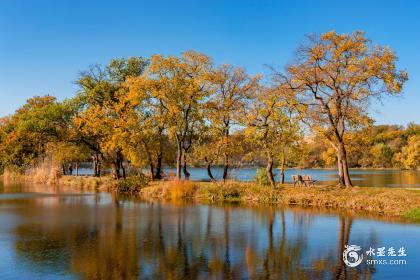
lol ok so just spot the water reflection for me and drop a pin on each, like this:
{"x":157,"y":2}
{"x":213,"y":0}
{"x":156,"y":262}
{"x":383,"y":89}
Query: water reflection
{"x":104,"y":237}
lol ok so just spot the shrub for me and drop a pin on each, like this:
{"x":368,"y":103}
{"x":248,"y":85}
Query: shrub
{"x":413,"y":215}
{"x":132,"y":184}
{"x":261,"y":177}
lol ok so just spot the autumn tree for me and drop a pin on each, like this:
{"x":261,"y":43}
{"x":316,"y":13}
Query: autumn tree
{"x":335,"y":76}
{"x":207,"y":150}
{"x":231,"y":96}
{"x":148,"y":122}
{"x":272,"y":125}
{"x":409,"y":157}
{"x":27,"y":133}
{"x":65,"y":151}
{"x":179,"y":85}
{"x":101,"y":113}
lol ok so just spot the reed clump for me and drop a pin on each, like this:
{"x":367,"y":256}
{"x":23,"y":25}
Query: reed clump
{"x":44,"y":173}
{"x":11,"y":175}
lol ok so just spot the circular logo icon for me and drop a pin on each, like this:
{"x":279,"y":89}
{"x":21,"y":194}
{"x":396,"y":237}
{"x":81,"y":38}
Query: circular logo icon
{"x":351,"y":255}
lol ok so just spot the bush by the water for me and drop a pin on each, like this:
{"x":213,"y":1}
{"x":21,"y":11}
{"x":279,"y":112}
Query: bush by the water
{"x":413,"y":215}
{"x":261,"y":177}
{"x":133,"y":183}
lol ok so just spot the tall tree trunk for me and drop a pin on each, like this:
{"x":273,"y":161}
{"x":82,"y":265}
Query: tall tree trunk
{"x":340,"y":171}
{"x":63,"y":167}
{"x":123,"y":169}
{"x":158,"y":174}
{"x":343,"y":170}
{"x":119,"y":163}
{"x":282,"y":175}
{"x":178,"y":160}
{"x":269,"y":169}
{"x":283,"y":162}
{"x":208,"y":165}
{"x":186,"y":173}
{"x":77,"y":168}
{"x":151,"y":165}
{"x":226,"y":154}
{"x":116,"y":166}
{"x":150,"y":159}
{"x":152,"y":171}
{"x":99,"y":168}
{"x":116,"y":170}
{"x":226,"y":167}
{"x":96,"y":165}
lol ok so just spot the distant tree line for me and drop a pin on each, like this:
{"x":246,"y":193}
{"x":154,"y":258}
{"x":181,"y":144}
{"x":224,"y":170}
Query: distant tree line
{"x":185,"y":110}
{"x":377,"y":146}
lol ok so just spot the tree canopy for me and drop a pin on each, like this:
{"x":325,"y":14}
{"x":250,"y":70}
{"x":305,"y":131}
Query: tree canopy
{"x":139,"y":113}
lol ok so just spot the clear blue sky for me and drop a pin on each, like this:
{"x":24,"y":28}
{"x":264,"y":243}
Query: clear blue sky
{"x":44,"y":44}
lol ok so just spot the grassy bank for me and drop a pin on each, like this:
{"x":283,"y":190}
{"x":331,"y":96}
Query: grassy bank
{"x":87,"y":182}
{"x":55,"y":178}
{"x":384,"y":201}
{"x":397,"y":202}
{"x":413,"y":215}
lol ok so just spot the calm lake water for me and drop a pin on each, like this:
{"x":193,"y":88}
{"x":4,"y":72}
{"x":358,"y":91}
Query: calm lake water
{"x":360,"y":177}
{"x":363,"y":178}
{"x":51,"y":233}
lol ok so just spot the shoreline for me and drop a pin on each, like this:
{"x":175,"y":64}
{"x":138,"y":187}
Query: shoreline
{"x":391,"y":202}
{"x":308,"y":168}
{"x":387,"y":202}
{"x":396,"y":202}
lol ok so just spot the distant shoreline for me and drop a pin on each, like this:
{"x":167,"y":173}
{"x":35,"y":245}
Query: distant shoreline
{"x":307,"y":168}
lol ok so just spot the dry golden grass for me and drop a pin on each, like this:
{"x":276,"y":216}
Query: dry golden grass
{"x":43,"y":174}
{"x":52,"y":176}
{"x":11,"y":176}
{"x":87,"y":182}
{"x":387,"y":201}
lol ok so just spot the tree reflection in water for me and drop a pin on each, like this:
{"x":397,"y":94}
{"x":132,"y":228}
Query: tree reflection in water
{"x":131,"y":240}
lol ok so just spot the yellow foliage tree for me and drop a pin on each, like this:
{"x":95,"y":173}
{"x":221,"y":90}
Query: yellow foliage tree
{"x":232,"y":92}
{"x":334,"y":76}
{"x":180,"y":86}
{"x":410,"y":154}
{"x":272,"y":125}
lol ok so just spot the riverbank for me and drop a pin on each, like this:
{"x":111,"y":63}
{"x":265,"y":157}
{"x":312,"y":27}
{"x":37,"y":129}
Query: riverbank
{"x":85,"y":182}
{"x":384,"y":201}
{"x":397,"y":202}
